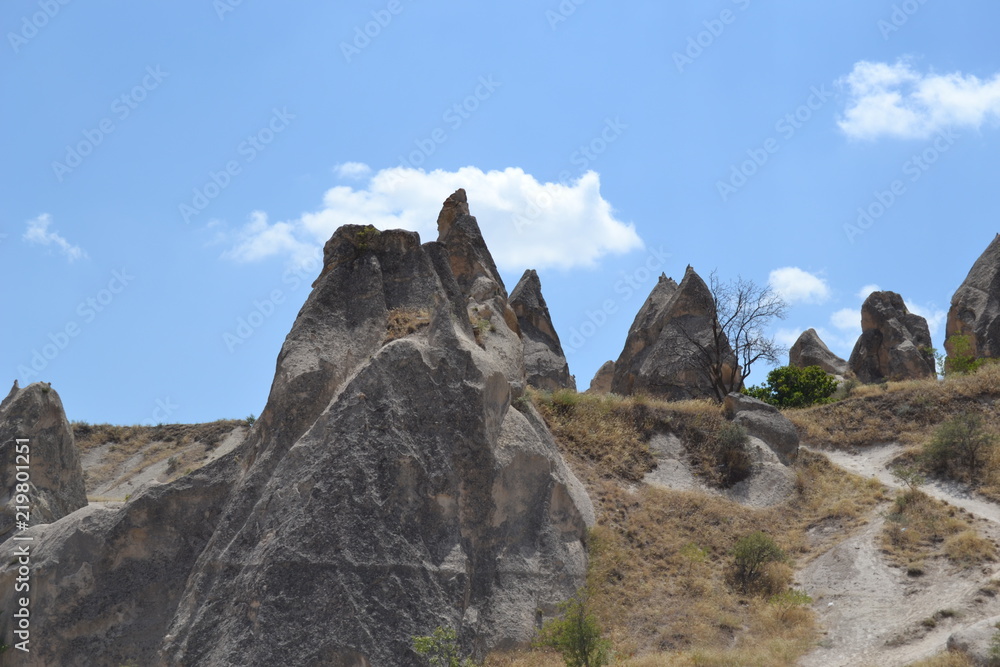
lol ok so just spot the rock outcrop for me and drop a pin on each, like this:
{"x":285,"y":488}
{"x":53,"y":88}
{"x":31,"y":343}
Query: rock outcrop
{"x":975,"y":308}
{"x":390,"y":486}
{"x":895,"y":344}
{"x":976,"y":641}
{"x":48,"y":460}
{"x":810,"y":350}
{"x":601,"y":383}
{"x":765,"y":422}
{"x":665,"y":348}
{"x":544,"y":361}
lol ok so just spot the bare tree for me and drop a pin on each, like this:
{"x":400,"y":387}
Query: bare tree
{"x":736,"y":340}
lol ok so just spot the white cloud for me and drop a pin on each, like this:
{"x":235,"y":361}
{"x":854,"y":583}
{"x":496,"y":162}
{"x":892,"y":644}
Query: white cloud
{"x":847,"y":319}
{"x":526,"y":223}
{"x":897,"y":101}
{"x":353,"y":170}
{"x":797,"y":286}
{"x":935,"y":317}
{"x":867,"y":290}
{"x":37,"y":232}
{"x":258,"y":240}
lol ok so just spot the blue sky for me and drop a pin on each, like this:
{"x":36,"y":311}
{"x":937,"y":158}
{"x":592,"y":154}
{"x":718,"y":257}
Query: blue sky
{"x":171,"y":170}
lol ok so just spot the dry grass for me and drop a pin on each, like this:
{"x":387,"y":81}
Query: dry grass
{"x":946,"y":659}
{"x":613,"y":431}
{"x":152,"y":443}
{"x":660,"y":559}
{"x":903,"y":412}
{"x":919,"y":527}
{"x":402,"y":322}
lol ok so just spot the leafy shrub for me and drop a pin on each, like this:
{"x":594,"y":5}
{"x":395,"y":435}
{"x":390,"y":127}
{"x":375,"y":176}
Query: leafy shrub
{"x":793,"y":387}
{"x":752,"y":555}
{"x":961,"y":360}
{"x":576,"y":635}
{"x":250,"y":420}
{"x":960,"y":447}
{"x":441,"y":649}
{"x":789,"y":602}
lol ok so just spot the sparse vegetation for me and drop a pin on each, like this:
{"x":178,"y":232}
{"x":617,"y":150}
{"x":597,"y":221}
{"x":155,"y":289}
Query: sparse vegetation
{"x":441,"y":649}
{"x":403,"y":322}
{"x":793,"y":387}
{"x":250,"y":420}
{"x":919,"y":527}
{"x":960,"y":448}
{"x":576,"y":635}
{"x":753,"y":555}
{"x":732,"y":458}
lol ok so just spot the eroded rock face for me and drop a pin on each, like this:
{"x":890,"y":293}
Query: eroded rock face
{"x":975,"y":307}
{"x":895,"y":344}
{"x":56,"y":485}
{"x":389,"y":487}
{"x":810,"y":350}
{"x":661,"y":355}
{"x":765,"y":422}
{"x":544,"y":361}
{"x":976,"y":641}
{"x":601,"y":383}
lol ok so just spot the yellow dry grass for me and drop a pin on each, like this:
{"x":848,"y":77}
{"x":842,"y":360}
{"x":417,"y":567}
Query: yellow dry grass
{"x":946,"y":659}
{"x":660,"y":559}
{"x":919,"y":527}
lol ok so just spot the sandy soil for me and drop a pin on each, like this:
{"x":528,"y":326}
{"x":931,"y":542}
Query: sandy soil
{"x":874,"y":614}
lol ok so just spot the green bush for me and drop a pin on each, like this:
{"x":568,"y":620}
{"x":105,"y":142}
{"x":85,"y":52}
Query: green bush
{"x":793,"y":387}
{"x":960,"y":447}
{"x":961,"y":360}
{"x":576,"y":635}
{"x":751,"y":556}
{"x":441,"y":649}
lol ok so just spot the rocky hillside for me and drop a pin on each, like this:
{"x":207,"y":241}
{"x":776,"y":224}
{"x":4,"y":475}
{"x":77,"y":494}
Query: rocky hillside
{"x":424,"y":461}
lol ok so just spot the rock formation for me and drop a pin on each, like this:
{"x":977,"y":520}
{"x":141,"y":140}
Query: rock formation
{"x":975,"y":308}
{"x":544,"y":361}
{"x":52,"y":465}
{"x":601,"y":384}
{"x":765,"y":422}
{"x":665,"y":348}
{"x":810,"y":350}
{"x":389,"y":487}
{"x":895,"y":344}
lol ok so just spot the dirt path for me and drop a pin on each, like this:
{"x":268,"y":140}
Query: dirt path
{"x":874,"y":614}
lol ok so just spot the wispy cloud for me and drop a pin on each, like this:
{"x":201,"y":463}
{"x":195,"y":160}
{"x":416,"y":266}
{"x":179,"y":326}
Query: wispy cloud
{"x":795,"y":285}
{"x":37,"y":233}
{"x":352,"y":170}
{"x":868,"y":289}
{"x":526,"y":223}
{"x":898,"y":101}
